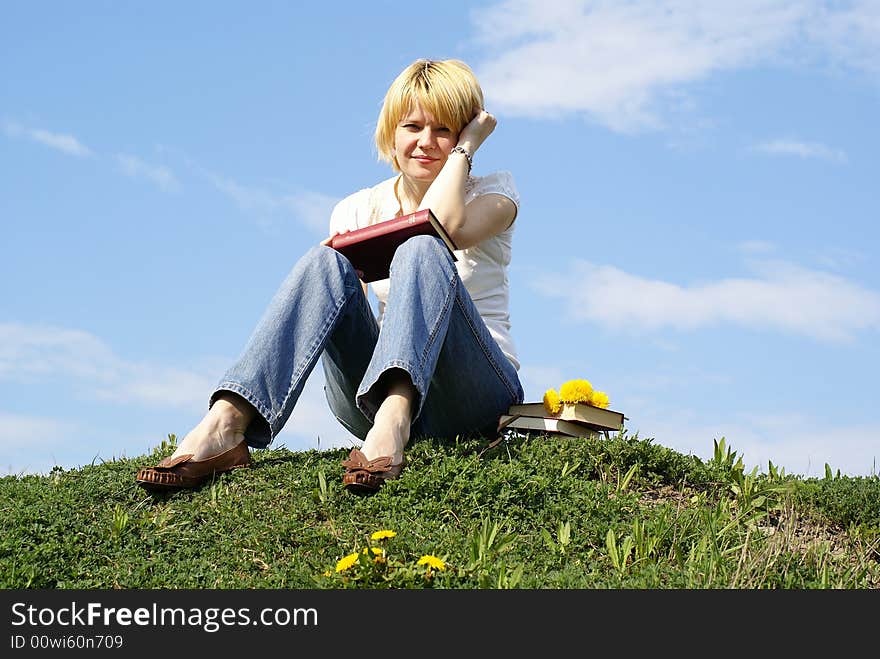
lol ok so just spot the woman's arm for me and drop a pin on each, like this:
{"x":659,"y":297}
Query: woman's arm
{"x":486,"y":216}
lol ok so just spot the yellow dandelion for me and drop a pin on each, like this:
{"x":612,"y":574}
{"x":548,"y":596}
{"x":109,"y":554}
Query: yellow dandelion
{"x":551,"y":402}
{"x":599,"y":399}
{"x":432,"y":562}
{"x":346,"y":562}
{"x":377,"y":552}
{"x":575,"y":391}
{"x":381,"y":535}
{"x":328,"y":573}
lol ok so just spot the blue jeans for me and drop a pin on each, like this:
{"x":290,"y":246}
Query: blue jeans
{"x":431,"y":330}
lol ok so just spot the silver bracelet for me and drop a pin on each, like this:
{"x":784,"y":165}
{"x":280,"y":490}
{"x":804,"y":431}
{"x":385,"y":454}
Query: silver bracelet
{"x":461,"y":149}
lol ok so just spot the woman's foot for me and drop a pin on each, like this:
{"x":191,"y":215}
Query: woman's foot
{"x":381,"y":456}
{"x":221,"y":429}
{"x":390,"y":432}
{"x":214,"y":446}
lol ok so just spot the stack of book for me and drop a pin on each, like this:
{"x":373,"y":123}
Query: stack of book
{"x":574,"y":420}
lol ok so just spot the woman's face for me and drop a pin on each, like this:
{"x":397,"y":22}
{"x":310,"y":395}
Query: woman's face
{"x":422,"y":145}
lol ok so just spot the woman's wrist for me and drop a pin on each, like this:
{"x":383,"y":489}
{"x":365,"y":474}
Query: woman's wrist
{"x":467,"y":145}
{"x":465,"y":153}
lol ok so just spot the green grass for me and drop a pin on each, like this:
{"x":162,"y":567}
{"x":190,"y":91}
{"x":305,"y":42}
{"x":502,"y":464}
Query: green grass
{"x":534,"y":512}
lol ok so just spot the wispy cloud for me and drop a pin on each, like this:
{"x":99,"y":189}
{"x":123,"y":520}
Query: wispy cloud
{"x":849,"y":33}
{"x":795,"y":442}
{"x":65,"y":143}
{"x":312,"y":424}
{"x":756,"y":247}
{"x":310,"y":208}
{"x":38,"y":353}
{"x":31,"y":444}
{"x":837,"y":258}
{"x":32,"y":352}
{"x":780,"y":296}
{"x":783,"y":147}
{"x":158,"y":174}
{"x":27,"y":443}
{"x":128,"y":164}
{"x":626,"y":64}
{"x":19,"y":431}
{"x":537,"y":378}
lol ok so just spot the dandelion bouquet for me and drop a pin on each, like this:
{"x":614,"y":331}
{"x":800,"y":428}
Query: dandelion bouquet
{"x":576,"y":408}
{"x":572,"y":393}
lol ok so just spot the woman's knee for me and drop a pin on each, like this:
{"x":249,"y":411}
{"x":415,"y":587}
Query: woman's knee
{"x":420,"y":249}
{"x":321,"y":260}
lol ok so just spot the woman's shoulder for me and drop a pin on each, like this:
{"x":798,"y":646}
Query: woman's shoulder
{"x":499,"y":182}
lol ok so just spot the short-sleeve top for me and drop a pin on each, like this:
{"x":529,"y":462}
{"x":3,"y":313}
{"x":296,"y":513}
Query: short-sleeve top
{"x":482,"y":268}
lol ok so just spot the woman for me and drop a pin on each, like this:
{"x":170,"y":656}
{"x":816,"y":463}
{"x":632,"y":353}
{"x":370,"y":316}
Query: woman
{"x":438,"y":360}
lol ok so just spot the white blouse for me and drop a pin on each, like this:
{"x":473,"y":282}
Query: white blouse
{"x":482,"y":268}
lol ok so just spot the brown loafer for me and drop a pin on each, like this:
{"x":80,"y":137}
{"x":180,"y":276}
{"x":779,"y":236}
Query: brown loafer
{"x":362,"y":475}
{"x":183,"y":473}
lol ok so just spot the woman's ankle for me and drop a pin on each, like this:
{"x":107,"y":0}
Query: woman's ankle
{"x":230,"y":409}
{"x":390,"y":432}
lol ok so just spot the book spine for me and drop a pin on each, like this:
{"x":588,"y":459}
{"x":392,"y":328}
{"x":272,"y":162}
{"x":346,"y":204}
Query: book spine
{"x":380,"y":228}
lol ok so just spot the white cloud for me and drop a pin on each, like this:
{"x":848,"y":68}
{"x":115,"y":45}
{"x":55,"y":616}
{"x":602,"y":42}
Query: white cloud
{"x":784,"y":147}
{"x":781,"y":296}
{"x":137,"y":168}
{"x":801,"y":445}
{"x":27,"y":443}
{"x":756,"y":247}
{"x":310,"y":208}
{"x":850,"y":33}
{"x":312,"y":424}
{"x":36,"y":444}
{"x":37,"y":353}
{"x":840,"y":257}
{"x":58,"y":141}
{"x":18,"y":431}
{"x":43,"y":354}
{"x":157,"y":386}
{"x":619,"y":63}
{"x":29,"y":352}
{"x":536,"y":379}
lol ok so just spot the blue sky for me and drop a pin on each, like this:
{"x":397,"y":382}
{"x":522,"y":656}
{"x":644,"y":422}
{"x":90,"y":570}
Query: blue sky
{"x":698,"y":231}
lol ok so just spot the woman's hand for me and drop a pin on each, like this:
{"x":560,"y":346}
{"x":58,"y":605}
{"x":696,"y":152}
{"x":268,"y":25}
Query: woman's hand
{"x":326,"y":241}
{"x":477,"y":130}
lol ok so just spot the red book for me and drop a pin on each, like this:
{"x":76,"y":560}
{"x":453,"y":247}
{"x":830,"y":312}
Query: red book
{"x":370,"y":248}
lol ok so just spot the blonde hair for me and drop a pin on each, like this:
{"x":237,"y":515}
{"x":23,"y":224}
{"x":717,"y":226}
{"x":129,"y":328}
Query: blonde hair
{"x":447,"y":89}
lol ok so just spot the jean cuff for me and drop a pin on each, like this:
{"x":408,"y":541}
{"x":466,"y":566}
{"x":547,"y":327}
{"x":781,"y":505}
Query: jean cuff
{"x":366,"y":397}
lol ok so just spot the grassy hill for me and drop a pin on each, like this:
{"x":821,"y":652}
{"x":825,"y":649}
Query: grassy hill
{"x":535,"y":512}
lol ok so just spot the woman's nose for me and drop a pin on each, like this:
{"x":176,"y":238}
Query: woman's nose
{"x":426,"y":137}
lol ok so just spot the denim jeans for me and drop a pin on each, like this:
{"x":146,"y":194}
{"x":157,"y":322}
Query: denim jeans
{"x":431,"y":330}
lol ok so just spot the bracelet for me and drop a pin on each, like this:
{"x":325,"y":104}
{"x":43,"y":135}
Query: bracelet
{"x":461,"y":149}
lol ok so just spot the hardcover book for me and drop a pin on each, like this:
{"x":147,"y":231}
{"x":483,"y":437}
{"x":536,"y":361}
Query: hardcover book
{"x":594,"y":417}
{"x":546,"y":424}
{"x":371,"y":248}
